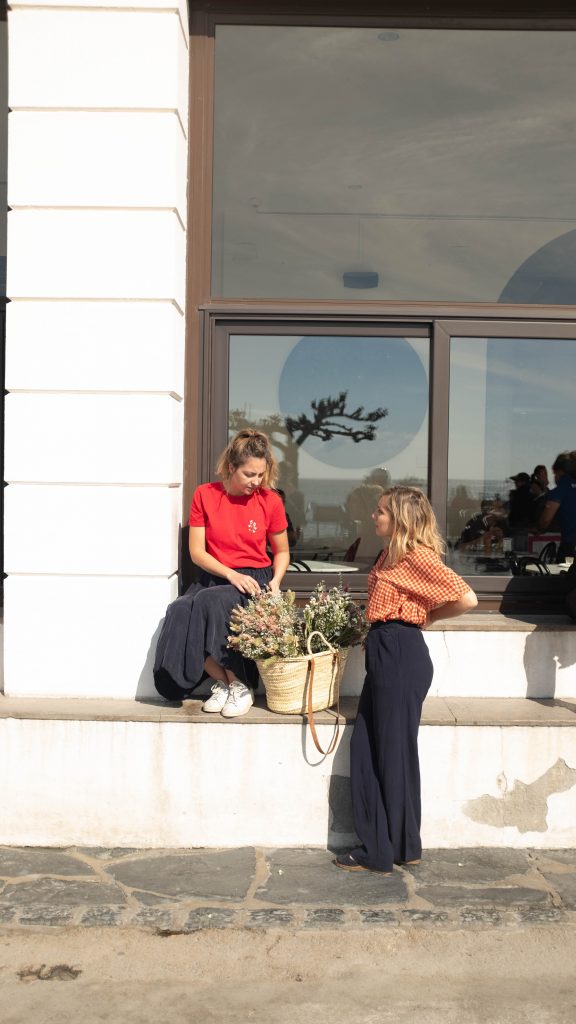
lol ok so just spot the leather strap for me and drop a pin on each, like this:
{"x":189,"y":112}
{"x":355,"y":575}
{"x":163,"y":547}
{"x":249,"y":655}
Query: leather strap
{"x":310,"y":712}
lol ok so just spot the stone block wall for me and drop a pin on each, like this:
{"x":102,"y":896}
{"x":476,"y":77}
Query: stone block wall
{"x":97,"y":177}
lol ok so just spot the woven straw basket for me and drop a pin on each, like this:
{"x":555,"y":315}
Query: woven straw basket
{"x":287,"y":681}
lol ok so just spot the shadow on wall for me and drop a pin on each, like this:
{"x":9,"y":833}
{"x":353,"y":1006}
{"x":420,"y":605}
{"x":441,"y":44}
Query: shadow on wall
{"x":145,"y":690}
{"x":542,"y":662}
{"x":340,"y":832}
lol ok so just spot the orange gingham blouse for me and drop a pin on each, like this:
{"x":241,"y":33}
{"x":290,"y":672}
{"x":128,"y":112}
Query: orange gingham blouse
{"x":412,"y":588}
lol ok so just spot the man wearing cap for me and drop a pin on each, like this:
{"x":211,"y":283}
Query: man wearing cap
{"x":521,"y":507}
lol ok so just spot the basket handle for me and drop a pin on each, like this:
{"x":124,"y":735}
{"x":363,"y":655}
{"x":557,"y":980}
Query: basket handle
{"x":310,"y":712}
{"x":316,"y":632}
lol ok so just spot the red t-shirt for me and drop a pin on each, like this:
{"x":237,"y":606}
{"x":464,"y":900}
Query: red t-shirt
{"x":237,"y":527}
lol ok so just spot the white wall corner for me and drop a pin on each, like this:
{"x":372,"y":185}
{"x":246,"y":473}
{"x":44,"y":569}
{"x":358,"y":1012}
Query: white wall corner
{"x":95,"y":346}
{"x":57,"y":57}
{"x":66,"y":529}
{"x":93,"y":636}
{"x":96,"y":254}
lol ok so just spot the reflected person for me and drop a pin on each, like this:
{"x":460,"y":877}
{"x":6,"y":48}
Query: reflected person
{"x":560,"y":508}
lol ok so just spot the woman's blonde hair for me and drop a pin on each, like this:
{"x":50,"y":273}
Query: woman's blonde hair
{"x":248,"y":444}
{"x":414,"y":522}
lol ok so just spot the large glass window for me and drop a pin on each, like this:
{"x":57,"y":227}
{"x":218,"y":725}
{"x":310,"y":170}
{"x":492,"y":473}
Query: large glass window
{"x":402,"y":164}
{"x":511,"y":414}
{"x":348,"y":415}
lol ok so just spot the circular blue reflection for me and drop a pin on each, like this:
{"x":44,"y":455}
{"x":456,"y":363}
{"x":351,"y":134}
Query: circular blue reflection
{"x":548,"y":276}
{"x":376,"y":373}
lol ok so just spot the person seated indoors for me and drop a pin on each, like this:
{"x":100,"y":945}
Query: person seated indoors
{"x":539,"y":491}
{"x":291,"y":531}
{"x":487,"y":525}
{"x":560,"y":507}
{"x":539,"y":481}
{"x":521,"y":504}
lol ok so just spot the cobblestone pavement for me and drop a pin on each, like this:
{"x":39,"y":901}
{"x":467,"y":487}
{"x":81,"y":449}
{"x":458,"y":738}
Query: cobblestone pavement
{"x":175,"y":891}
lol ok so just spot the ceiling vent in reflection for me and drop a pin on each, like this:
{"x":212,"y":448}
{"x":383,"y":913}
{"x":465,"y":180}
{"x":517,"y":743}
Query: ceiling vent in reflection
{"x":360,"y":279}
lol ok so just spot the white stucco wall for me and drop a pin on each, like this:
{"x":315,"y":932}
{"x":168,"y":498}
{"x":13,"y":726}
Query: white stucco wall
{"x":125,"y":783}
{"x":97,"y":176}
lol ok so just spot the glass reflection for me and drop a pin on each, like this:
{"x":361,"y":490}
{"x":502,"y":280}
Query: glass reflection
{"x":410,"y":164}
{"x":511,"y":406}
{"x":347,"y":416}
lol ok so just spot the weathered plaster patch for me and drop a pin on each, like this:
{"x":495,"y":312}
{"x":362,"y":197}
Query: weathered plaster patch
{"x":525,"y":805}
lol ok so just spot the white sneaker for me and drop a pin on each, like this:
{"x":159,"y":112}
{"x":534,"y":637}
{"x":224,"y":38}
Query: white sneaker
{"x":220,"y":694}
{"x":240,"y":700}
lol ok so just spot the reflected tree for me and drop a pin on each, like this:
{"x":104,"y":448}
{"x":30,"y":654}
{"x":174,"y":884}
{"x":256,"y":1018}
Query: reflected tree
{"x":326,"y":421}
{"x":328,"y":418}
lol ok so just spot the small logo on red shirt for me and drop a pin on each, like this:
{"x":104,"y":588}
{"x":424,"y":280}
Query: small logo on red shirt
{"x":252,"y":526}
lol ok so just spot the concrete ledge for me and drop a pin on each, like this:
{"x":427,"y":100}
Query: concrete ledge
{"x":441,"y":711}
{"x":496,"y":622}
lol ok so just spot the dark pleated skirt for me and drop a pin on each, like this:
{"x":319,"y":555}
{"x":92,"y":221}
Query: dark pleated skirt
{"x":197,"y":625}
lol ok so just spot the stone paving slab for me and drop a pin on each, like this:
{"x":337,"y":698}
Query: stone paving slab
{"x":216,"y":874}
{"x":39,"y":861}
{"x":302,"y":877}
{"x":178,"y":891}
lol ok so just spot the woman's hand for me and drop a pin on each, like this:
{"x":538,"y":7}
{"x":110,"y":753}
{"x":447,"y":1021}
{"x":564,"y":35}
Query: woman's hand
{"x":274,"y":586}
{"x":245,"y":584}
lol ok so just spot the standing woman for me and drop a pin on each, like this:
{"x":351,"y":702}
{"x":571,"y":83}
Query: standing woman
{"x":231,"y":523}
{"x":408,"y":588}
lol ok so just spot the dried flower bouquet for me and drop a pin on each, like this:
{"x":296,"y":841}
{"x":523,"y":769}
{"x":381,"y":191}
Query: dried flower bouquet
{"x":271,"y":625}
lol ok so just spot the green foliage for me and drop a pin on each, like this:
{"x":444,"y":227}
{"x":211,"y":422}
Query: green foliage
{"x":336,"y":615}
{"x":272,"y":626}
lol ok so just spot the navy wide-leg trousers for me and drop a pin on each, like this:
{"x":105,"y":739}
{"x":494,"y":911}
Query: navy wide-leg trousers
{"x":384,"y":766}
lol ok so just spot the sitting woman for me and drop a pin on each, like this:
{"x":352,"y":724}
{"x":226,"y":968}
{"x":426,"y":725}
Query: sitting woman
{"x":231,"y":522}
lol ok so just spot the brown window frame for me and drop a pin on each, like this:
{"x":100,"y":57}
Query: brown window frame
{"x":204,"y":404}
{"x":494,"y":591}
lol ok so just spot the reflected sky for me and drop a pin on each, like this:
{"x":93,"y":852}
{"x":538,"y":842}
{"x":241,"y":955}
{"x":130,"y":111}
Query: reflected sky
{"x":283,"y":375}
{"x":511,"y":405}
{"x":439,"y":159}
{"x":375,"y":373}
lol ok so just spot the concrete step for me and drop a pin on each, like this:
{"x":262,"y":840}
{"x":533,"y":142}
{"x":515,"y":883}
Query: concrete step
{"x":483,"y":654}
{"x":493,"y":655}
{"x":495,"y":772}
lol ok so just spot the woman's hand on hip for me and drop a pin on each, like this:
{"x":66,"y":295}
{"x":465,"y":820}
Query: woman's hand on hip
{"x":245,"y":584}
